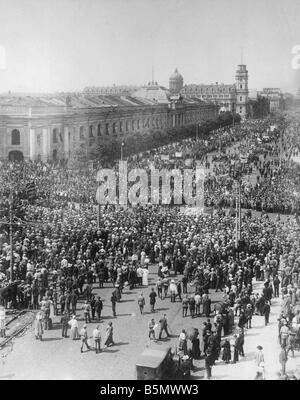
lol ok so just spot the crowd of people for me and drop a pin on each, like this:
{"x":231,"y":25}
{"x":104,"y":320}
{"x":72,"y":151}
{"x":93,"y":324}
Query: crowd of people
{"x":60,"y":251}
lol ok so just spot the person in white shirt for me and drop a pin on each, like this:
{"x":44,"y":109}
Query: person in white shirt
{"x":97,"y":339}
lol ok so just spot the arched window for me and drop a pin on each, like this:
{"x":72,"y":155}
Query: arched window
{"x":15,"y":137}
{"x":91,"y":134}
{"x":54,"y":138}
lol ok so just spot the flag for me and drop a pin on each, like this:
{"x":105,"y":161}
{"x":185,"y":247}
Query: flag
{"x":31,"y":190}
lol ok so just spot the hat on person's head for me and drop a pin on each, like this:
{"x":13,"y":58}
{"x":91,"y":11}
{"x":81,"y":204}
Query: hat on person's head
{"x":259,"y":347}
{"x":84,"y":325}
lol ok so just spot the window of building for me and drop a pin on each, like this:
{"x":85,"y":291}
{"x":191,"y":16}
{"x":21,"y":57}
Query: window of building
{"x":126,"y":126}
{"x":91,"y":131}
{"x":38,"y":140}
{"x":114,"y":127}
{"x":15,"y":137}
{"x":107,"y":128}
{"x":138,"y":124}
{"x":241,"y":98}
{"x":121,"y":126}
{"x":132,"y":125}
{"x":241,"y":86}
{"x":55,"y":132}
{"x":99,"y":130}
{"x":81,"y":132}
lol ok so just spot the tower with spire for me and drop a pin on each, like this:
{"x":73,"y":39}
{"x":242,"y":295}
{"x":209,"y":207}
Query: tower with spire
{"x":242,"y":92}
{"x":175,"y":82}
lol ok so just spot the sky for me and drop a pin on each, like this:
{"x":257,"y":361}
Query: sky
{"x":66,"y":45}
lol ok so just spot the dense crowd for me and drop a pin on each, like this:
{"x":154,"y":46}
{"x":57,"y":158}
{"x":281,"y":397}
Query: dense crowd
{"x":60,"y":252}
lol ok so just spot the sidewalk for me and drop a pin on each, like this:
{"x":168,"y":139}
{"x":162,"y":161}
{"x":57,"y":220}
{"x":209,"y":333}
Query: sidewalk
{"x":267,"y":337}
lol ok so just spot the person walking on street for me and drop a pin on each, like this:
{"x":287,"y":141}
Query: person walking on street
{"x":64,"y":324}
{"x":152,"y":296}
{"x":276,"y":283}
{"x":163,"y":326}
{"x":182,"y":346}
{"x":93,"y":306}
{"x":284,"y":334}
{"x":39,"y":330}
{"x":179,"y":290}
{"x":109,"y":335}
{"x":267,"y":310}
{"x":97,"y":339}
{"x":236,"y":349}
{"x":113,"y":300}
{"x":259,"y":359}
{"x":291,"y":342}
{"x":185,"y":305}
{"x":151,"y":327}
{"x":192,"y":304}
{"x":208,"y":364}
{"x":87,"y":312}
{"x":98,"y":307}
{"x":84,"y":338}
{"x":283,"y":359}
{"x":141,"y":302}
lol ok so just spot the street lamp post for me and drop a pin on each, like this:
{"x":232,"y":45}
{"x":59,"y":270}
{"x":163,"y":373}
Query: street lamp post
{"x":11,"y":233}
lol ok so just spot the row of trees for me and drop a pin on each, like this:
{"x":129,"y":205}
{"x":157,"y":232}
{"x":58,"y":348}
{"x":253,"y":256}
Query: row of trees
{"x":110,"y":149}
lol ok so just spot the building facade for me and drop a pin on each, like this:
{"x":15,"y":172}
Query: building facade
{"x":54,"y":127}
{"x":275,"y":97}
{"x":229,"y":97}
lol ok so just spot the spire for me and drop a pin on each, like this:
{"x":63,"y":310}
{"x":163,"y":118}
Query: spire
{"x":242,"y":54}
{"x":152,"y":75}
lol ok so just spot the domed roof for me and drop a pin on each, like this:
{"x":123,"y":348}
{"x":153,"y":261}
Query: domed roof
{"x":176,"y":76}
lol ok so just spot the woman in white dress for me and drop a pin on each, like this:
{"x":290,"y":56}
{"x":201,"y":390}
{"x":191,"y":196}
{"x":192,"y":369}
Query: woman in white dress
{"x":74,"y":334}
{"x":145,"y":276}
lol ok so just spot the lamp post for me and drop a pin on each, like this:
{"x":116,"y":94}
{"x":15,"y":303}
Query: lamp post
{"x":11,"y":233}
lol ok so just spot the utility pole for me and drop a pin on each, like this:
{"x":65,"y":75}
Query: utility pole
{"x":240,"y":212}
{"x":237,"y":216}
{"x":11,"y":233}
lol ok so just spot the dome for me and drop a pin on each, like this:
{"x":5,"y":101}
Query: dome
{"x":176,"y":76}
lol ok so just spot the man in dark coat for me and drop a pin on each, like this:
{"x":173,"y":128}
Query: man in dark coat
{"x":64,"y":324}
{"x":113,"y":300}
{"x":163,"y":326}
{"x":267,"y":310}
{"x":152,"y":296}
{"x":98,"y":307}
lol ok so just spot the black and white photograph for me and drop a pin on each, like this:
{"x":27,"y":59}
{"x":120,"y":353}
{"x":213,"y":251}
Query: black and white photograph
{"x":149,"y":192}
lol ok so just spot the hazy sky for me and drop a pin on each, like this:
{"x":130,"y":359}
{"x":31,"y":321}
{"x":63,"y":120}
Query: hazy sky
{"x":57,"y":45}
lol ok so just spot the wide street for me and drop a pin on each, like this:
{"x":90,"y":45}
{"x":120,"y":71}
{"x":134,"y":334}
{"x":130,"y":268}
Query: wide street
{"x":60,"y":358}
